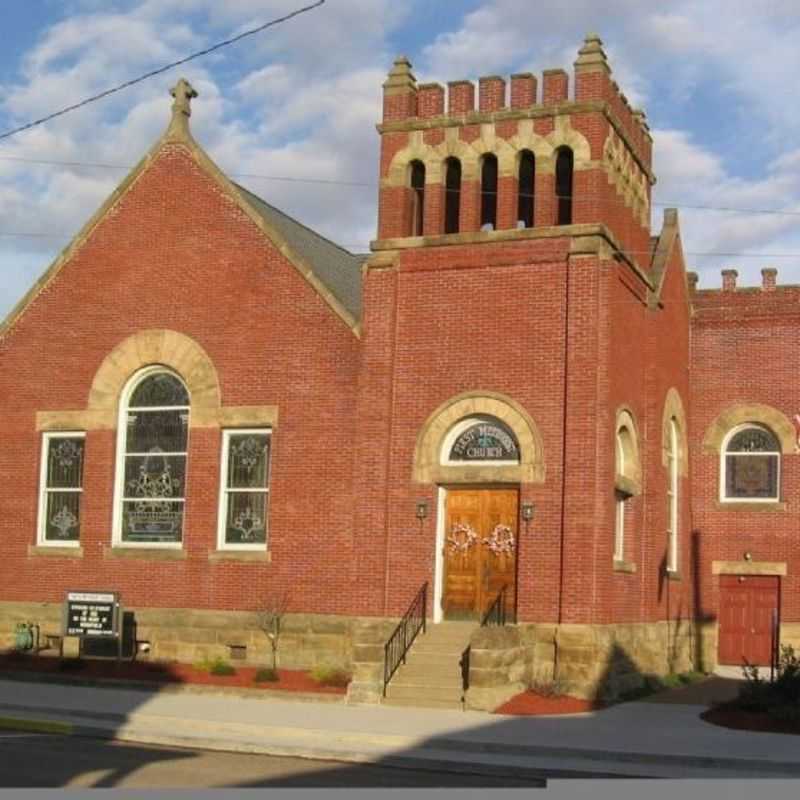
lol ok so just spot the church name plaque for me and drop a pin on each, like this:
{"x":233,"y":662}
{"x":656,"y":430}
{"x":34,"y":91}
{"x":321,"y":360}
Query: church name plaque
{"x":485,"y":441}
{"x":92,"y":614}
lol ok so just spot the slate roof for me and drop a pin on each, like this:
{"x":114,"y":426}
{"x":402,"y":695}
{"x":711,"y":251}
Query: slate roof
{"x":337,"y":268}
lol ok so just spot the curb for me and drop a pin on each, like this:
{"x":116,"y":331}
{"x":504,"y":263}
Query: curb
{"x":438,"y":749}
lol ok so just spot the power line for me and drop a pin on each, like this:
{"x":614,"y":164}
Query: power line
{"x":161,"y":70}
{"x":373,"y":185}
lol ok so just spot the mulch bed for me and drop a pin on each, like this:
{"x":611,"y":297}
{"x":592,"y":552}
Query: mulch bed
{"x":728,"y":716}
{"x":531,"y":703}
{"x":162,"y":672}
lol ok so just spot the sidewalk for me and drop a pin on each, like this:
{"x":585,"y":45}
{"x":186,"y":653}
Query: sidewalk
{"x":642,"y":738}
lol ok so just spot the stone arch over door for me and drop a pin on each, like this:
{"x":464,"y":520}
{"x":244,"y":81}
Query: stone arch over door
{"x":428,"y":466}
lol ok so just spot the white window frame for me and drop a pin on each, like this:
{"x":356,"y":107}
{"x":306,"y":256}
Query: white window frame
{"x":673,"y":518}
{"x":723,"y":465}
{"x":119,"y":478}
{"x":224,"y":491}
{"x":619,"y":508}
{"x":41,"y":531}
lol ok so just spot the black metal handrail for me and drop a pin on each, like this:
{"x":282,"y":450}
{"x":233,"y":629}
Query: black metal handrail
{"x":463,"y":663}
{"x":496,"y":614}
{"x":395,"y":649}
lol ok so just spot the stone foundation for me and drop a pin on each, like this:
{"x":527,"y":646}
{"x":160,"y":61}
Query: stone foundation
{"x":499,"y":666}
{"x":588,"y":661}
{"x":189,"y":635}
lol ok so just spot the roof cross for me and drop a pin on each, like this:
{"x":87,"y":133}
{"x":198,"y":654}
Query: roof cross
{"x":183,"y":92}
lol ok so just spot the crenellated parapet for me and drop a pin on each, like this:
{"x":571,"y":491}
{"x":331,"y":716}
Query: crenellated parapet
{"x":514,"y":153}
{"x":731,"y":301}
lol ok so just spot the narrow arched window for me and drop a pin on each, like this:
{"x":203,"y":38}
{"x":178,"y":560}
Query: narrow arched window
{"x":151,"y":460}
{"x":751,"y":459}
{"x":627,"y":481}
{"x":564,"y":165}
{"x":452,"y":195}
{"x":417,"y":197}
{"x":672,"y":497}
{"x":489,"y":192}
{"x":527,"y":176}
{"x":620,"y":499}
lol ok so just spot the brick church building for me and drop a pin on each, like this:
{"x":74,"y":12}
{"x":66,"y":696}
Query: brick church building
{"x":519,"y":398}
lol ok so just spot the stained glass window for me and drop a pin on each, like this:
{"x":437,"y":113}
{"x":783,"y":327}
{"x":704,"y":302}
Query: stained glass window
{"x":245,"y":495}
{"x":751,"y":465}
{"x":62,"y":486}
{"x":154,"y":471}
{"x":486,"y":440}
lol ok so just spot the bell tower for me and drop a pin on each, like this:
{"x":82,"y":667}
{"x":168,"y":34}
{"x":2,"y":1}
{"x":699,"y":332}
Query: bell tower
{"x":514,"y":158}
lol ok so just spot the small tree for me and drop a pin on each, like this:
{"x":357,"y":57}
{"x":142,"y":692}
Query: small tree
{"x":269,"y":617}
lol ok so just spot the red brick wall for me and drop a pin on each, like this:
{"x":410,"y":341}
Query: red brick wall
{"x":744,"y":346}
{"x":175,"y":253}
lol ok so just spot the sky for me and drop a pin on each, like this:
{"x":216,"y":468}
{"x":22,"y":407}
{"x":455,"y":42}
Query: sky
{"x":301,"y":101}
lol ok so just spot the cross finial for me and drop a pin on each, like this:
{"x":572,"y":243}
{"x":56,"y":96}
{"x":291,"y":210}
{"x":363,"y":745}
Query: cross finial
{"x":183,"y":92}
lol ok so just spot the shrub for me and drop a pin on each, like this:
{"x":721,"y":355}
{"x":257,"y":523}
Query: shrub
{"x":219,"y":666}
{"x":780,"y":698}
{"x":266,"y":675}
{"x":326,"y":675}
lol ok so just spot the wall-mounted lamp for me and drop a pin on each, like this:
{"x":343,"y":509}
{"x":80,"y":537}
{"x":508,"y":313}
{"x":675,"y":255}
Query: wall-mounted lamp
{"x":527,"y":511}
{"x":422,"y":509}
{"x":748,"y":556}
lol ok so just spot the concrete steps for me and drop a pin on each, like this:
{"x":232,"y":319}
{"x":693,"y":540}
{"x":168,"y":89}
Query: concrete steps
{"x":431,"y":676}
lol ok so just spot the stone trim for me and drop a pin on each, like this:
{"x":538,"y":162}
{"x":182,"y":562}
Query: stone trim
{"x":629,"y":481}
{"x":203,"y":417}
{"x":55,"y":552}
{"x":170,"y":349}
{"x":145,"y":348}
{"x":747,"y":505}
{"x":427,"y":467}
{"x":673,"y":408}
{"x":145,"y":553}
{"x":625,"y":566}
{"x":178,"y":135}
{"x":507,"y":151}
{"x":673,"y":575}
{"x":749,"y":568}
{"x":741,"y":413}
{"x":253,"y":556}
{"x":564,"y":109}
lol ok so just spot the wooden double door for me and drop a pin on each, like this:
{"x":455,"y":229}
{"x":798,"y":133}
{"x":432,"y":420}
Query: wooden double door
{"x":748,"y":604}
{"x":480,"y":550}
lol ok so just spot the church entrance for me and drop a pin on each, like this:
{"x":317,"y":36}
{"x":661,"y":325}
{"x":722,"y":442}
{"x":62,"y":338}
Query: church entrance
{"x":479,"y":556}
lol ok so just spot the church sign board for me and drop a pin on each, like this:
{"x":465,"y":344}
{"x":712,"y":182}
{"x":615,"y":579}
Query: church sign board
{"x":92,"y":614}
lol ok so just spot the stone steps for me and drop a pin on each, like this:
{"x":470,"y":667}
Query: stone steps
{"x":431,"y":676}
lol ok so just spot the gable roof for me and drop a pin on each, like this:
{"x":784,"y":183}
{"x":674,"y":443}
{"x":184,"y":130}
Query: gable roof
{"x":331,"y":270}
{"x":337,"y":268}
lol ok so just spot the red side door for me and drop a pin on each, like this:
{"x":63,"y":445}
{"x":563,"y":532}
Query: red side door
{"x":747,"y":606}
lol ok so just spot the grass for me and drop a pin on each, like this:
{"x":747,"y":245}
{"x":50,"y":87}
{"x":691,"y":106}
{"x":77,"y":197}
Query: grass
{"x":657,"y":683}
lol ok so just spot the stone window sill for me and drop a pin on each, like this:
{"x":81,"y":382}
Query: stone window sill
{"x":673,"y":575}
{"x":145,"y":553}
{"x":759,"y":505}
{"x":625,"y":566}
{"x":55,"y":552}
{"x":258,"y":556}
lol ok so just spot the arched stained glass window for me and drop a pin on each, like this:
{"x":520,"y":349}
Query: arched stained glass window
{"x":751,"y":465}
{"x":153,"y":442}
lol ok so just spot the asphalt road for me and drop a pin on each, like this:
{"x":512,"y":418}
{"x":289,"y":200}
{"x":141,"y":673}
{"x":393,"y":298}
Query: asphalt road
{"x":36,"y":760}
